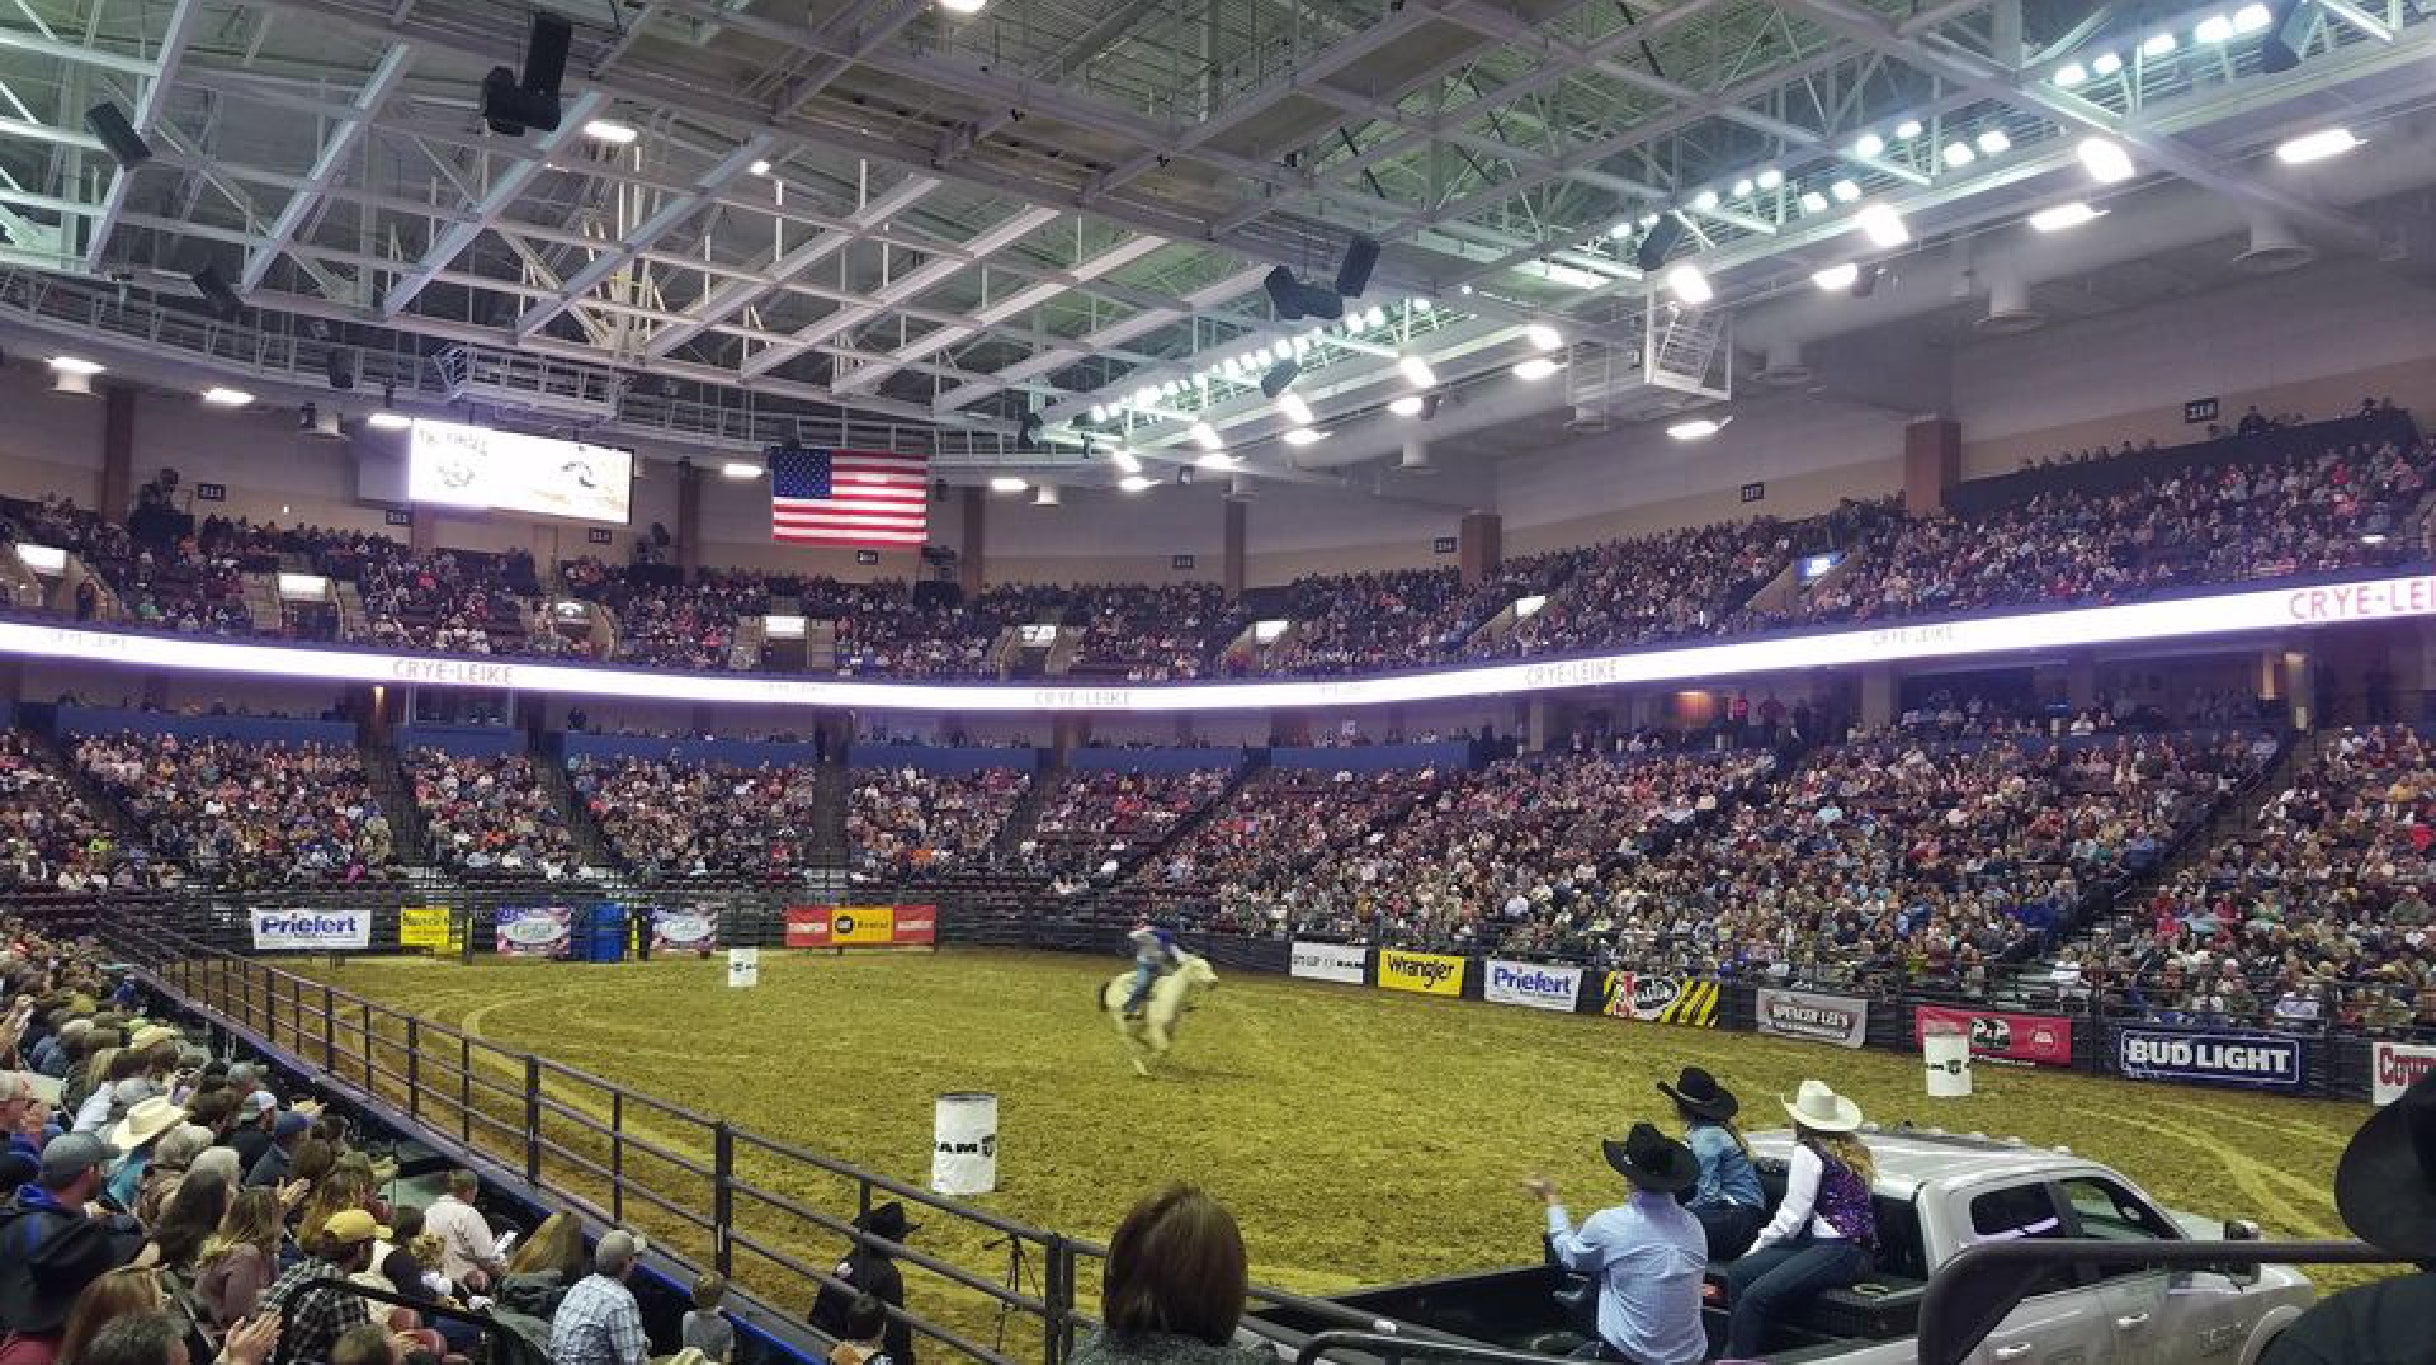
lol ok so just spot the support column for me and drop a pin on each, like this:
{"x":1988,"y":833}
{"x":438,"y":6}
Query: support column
{"x":2081,"y":680}
{"x":1932,"y":463}
{"x":118,"y":451}
{"x":970,"y":567}
{"x":1480,"y":545}
{"x":2299,"y":668}
{"x":688,"y":529}
{"x":1535,"y":726}
{"x":1232,"y":572}
{"x":423,"y":533}
{"x":1878,"y":695}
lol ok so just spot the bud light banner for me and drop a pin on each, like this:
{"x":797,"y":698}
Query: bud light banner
{"x":536,"y":931}
{"x":311,"y":931}
{"x":2397,"y":1065}
{"x":1837,"y":1019}
{"x":2252,"y":1060}
{"x":694,"y":930}
{"x":1532,"y":984}
{"x":1662,"y":999}
{"x":2022,"y":1039}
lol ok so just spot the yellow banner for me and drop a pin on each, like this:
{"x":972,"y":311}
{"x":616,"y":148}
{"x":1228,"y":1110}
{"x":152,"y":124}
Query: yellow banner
{"x":1423,"y":973}
{"x":423,"y":927}
{"x":863,"y":924}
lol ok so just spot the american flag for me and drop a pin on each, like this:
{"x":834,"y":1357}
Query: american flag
{"x":848,"y":497}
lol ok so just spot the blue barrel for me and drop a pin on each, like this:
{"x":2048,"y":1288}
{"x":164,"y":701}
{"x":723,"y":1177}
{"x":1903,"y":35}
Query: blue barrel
{"x":604,"y":934}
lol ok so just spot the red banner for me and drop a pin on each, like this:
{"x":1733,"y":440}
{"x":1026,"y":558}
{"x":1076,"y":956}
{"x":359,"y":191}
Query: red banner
{"x":862,"y":926}
{"x":2027,"y":1039}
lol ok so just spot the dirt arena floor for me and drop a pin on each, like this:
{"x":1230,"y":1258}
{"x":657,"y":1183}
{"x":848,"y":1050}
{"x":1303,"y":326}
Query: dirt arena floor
{"x":1361,"y":1136}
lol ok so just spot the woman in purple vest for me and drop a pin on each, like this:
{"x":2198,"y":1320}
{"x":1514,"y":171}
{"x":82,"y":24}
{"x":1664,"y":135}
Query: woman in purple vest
{"x":1825,"y":1234}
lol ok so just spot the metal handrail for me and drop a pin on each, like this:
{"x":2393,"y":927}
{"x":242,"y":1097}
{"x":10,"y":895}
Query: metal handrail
{"x":1394,"y":1347}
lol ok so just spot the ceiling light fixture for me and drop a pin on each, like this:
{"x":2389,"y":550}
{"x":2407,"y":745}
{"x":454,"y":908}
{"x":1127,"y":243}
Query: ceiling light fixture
{"x":1868,"y":145}
{"x":1689,"y":285}
{"x":1959,"y":155}
{"x":760,"y":168}
{"x":1217,"y":460}
{"x":1136,"y":483}
{"x":1813,"y":202}
{"x":1836,"y":279}
{"x":2062,"y":216}
{"x":2106,"y":162}
{"x":1994,"y":142}
{"x":1295,"y":409}
{"x":70,"y":364}
{"x":1705,"y":200}
{"x":1771,"y":178}
{"x":1206,"y":436}
{"x":1742,"y":188}
{"x":611,"y":131}
{"x":1407,"y":405}
{"x":2106,"y":64}
{"x":963,"y":6}
{"x":1303,"y":436}
{"x":2158,"y":45}
{"x":2252,"y":18}
{"x":1883,"y":225}
{"x":1008,"y":483}
{"x":740,"y":469}
{"x":1125,"y":460}
{"x":1697,"y":429}
{"x":2317,"y":146}
{"x":1417,"y":372}
{"x":1844,"y":191}
{"x":227,"y":398}
{"x":1543,"y":336}
{"x":2216,"y":28}
{"x":1537,"y":367}
{"x":2071,"y":74}
{"x":389,"y":421}
{"x":1908,"y":129}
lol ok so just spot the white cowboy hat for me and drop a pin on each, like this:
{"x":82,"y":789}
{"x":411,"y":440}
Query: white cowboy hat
{"x":1821,"y":1110}
{"x":145,"y":1122}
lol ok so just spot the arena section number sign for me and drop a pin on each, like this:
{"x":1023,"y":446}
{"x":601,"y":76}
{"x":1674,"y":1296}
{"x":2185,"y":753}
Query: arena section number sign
{"x":2256,"y":1061}
{"x":1661,"y":999}
{"x":2399,"y":1064}
{"x":1329,"y":962}
{"x":1420,"y":973}
{"x":1837,"y":1019}
{"x":1532,"y":984}
{"x":311,"y":931}
{"x":2022,"y":1039}
{"x":862,"y":926}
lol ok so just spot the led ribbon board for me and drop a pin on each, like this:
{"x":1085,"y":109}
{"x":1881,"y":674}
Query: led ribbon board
{"x":2139,"y":622}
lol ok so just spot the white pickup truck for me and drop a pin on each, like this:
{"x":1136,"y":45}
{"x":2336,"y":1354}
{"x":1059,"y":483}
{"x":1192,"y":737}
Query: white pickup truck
{"x":1936,"y":1194}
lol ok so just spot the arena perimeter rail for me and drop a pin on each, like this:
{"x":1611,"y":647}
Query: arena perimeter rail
{"x":450,"y":1087}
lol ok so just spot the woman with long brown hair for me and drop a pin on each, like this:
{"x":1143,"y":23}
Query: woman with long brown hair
{"x":128,"y":1289}
{"x":1175,"y":1286}
{"x":241,"y":1259}
{"x":1727,"y":1198}
{"x":191,"y":1218}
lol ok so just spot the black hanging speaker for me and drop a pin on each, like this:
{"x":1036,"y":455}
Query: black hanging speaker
{"x":117,"y":134}
{"x":1353,"y":275}
{"x":1656,"y":245}
{"x":215,"y":291}
{"x":1285,"y":292}
{"x":1281,"y":377}
{"x":545,"y":54}
{"x":339,"y":364}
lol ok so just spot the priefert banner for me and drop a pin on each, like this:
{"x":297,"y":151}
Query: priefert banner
{"x":1838,"y":1019}
{"x":309,"y":931}
{"x":1532,"y":984}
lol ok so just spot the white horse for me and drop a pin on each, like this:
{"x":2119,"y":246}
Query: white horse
{"x":1148,"y":1038}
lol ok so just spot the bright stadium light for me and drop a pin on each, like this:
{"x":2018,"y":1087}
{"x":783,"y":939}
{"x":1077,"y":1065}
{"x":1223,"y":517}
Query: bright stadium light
{"x":1543,"y":337}
{"x":78,"y":365}
{"x":1217,"y":459}
{"x":1697,"y":429}
{"x":1959,"y":155}
{"x":1771,"y":178}
{"x":2158,"y":45}
{"x":227,"y":398}
{"x":2216,"y":28}
{"x":1137,"y":483}
{"x":389,"y":421}
{"x":740,"y":469}
{"x":1295,"y":409}
{"x":1008,"y":483}
{"x":1536,"y":368}
{"x":2318,"y":146}
{"x":2106,"y":162}
{"x":1125,"y":460}
{"x":1417,"y":372}
{"x":1994,"y":142}
{"x":1705,"y":200}
{"x":1883,"y":225}
{"x":759,"y":168}
{"x":1908,"y":129}
{"x":1689,"y":285}
{"x":611,"y":131}
{"x":1206,"y":436}
{"x":1408,"y":405}
{"x":2071,"y":74}
{"x":1742,"y":188}
{"x":1844,"y":191}
{"x":2062,"y":216}
{"x":2106,"y":64}
{"x":1868,"y":145}
{"x":1835,"y":279}
{"x":2252,"y":18}
{"x":1303,"y":436}
{"x":1813,"y":202}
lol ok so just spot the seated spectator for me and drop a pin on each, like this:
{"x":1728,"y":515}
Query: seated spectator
{"x":681,"y":819}
{"x":599,"y":1322}
{"x":255,"y":815}
{"x":52,"y":1246}
{"x":316,"y":1322}
{"x":490,"y":814}
{"x":903,"y":824}
{"x":1174,"y":1287}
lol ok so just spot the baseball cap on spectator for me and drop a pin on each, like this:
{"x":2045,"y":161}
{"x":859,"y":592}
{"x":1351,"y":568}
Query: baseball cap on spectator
{"x":70,"y":1155}
{"x":350,"y":1226}
{"x":131,"y":1092}
{"x":291,"y":1124}
{"x":260,"y":1102}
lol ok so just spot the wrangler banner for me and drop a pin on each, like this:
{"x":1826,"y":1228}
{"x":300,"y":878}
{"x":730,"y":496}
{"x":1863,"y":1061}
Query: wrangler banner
{"x":1421,"y":973}
{"x":1662,"y":999}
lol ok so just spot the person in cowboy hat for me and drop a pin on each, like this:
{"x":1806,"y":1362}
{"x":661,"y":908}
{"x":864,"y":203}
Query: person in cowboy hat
{"x":870,"y":1269}
{"x":1726,"y":1199}
{"x":134,"y":1137}
{"x":1825,"y":1233}
{"x":1647,"y":1254}
{"x":2385,"y":1188}
{"x":1154,"y":955}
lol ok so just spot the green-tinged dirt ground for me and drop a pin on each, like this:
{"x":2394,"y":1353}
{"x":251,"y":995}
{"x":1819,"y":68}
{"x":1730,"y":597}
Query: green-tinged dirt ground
{"x":1360,"y":1136}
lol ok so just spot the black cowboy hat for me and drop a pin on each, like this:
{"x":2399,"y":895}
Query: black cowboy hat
{"x":1699,"y":1093}
{"x":2385,"y":1186}
{"x":887,"y":1222}
{"x":1652,"y":1160}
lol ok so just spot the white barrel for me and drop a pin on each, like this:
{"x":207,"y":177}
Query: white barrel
{"x":744,"y":967}
{"x":964,"y":1144}
{"x":1949,"y":1065}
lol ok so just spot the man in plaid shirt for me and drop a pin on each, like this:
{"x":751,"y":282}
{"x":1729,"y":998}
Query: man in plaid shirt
{"x":598,"y":1323}
{"x":314,"y":1325}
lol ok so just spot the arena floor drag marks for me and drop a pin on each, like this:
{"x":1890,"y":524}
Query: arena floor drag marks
{"x":1361,"y":1136}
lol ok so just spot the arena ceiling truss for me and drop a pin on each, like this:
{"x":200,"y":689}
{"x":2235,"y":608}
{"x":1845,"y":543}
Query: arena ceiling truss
{"x":921,"y":226}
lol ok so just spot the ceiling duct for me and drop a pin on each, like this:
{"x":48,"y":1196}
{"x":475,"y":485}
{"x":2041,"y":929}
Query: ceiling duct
{"x":2274,"y":247}
{"x":1784,"y":367}
{"x":75,"y":382}
{"x":1415,"y":456}
{"x":2009,"y":307}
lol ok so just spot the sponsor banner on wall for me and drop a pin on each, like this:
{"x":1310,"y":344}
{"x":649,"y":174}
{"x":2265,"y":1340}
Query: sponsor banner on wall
{"x":1422,"y":973}
{"x":861,"y":926}
{"x":1534,"y":984}
{"x":311,"y":931}
{"x":1661,"y":999}
{"x":2259,"y":1061}
{"x":425,"y":926}
{"x":694,"y":930}
{"x":1329,"y":962}
{"x":2397,"y":1065}
{"x":1837,"y":1019}
{"x":536,"y":930}
{"x":2023,"y":1039}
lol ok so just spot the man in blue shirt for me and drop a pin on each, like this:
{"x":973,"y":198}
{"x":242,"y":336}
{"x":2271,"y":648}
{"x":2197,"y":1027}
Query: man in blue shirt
{"x":1647,"y":1254}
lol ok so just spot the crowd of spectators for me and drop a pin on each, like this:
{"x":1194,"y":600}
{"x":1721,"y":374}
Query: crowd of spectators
{"x":1648,"y":588}
{"x":490,"y":815}
{"x":675,"y":819}
{"x":2319,"y":910}
{"x":457,"y":602}
{"x":886,"y":628}
{"x":51,"y":840}
{"x":250,"y":815}
{"x":905,"y":825}
{"x":1162,"y":633}
{"x":1358,"y":623}
{"x":1091,"y":823}
{"x":665,"y":621}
